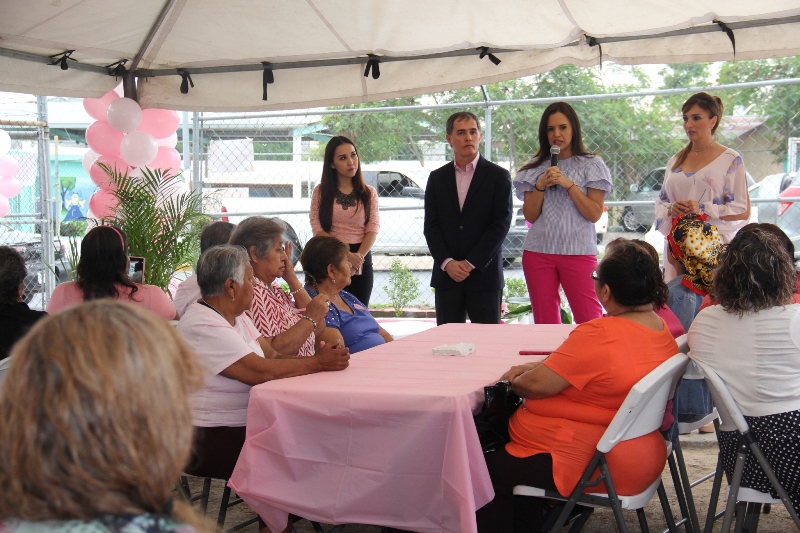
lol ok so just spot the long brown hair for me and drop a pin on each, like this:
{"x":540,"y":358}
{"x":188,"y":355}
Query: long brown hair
{"x":712,"y":105}
{"x":104,"y":263}
{"x":95,"y":417}
{"x":329,"y":184}
{"x":544,"y":145}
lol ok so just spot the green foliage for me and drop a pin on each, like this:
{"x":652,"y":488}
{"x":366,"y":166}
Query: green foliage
{"x":403,"y":287}
{"x":73,"y":228}
{"x":163,"y":230}
{"x":685,"y":75}
{"x":777,"y":104}
{"x":515,"y":288}
{"x":383,"y":136}
{"x":67,"y":184}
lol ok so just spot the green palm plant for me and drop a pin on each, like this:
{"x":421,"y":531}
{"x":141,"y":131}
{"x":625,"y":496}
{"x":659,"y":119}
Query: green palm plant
{"x":162,"y":228}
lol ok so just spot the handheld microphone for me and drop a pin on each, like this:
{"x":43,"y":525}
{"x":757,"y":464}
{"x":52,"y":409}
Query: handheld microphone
{"x":554,"y":151}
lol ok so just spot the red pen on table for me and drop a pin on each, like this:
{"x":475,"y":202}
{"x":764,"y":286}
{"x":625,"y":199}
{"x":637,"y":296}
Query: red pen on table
{"x":535,"y":352}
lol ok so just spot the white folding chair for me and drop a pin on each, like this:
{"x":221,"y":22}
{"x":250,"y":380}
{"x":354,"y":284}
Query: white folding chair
{"x":676,"y":461}
{"x":732,"y":419}
{"x":4,"y":364}
{"x":641,"y":413}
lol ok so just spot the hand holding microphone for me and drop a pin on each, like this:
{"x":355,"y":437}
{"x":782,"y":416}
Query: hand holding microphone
{"x":554,"y":151}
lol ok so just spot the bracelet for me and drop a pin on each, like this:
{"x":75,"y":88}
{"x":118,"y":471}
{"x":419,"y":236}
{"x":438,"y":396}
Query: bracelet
{"x":296,"y":291}
{"x":571,"y":186}
{"x":538,"y":189}
{"x":310,"y":320}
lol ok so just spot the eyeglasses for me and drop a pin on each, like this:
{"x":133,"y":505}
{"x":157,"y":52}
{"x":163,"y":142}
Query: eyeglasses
{"x":595,"y":276}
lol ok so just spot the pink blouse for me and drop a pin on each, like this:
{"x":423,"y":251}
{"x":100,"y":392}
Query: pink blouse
{"x":148,"y":296}
{"x":273,"y":312}
{"x":348,"y":223}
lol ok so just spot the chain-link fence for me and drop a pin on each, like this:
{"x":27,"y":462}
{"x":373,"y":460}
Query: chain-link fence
{"x":29,"y":226}
{"x":269,"y":163}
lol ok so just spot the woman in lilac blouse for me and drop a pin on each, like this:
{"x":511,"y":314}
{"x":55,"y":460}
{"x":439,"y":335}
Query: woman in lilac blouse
{"x":703,"y":178}
{"x":562,"y":203}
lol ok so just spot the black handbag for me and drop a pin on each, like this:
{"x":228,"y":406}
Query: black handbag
{"x":492,"y":421}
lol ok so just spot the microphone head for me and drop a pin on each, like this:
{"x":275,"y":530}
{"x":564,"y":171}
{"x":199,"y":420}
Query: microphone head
{"x":555,"y":149}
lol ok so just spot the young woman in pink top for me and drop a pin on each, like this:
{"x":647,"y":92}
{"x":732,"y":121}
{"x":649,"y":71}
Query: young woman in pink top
{"x":345,"y":207}
{"x":103,"y":273}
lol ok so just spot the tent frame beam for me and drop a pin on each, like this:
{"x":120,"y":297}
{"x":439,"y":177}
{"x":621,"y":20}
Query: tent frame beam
{"x":135,"y":72}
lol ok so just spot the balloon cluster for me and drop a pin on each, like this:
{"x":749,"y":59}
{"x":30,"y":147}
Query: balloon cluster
{"x":9,"y":185}
{"x":127,"y":137}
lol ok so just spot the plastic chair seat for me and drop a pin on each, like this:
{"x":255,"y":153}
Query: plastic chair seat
{"x":636,"y":501}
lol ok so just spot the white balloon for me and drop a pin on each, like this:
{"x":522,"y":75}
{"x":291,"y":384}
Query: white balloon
{"x":124,"y":114}
{"x":88,"y":159}
{"x":5,"y":142}
{"x":169,"y":142}
{"x":138,"y":148}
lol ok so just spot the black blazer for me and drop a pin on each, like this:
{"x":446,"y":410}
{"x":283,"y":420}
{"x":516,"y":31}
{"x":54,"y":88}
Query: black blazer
{"x":15,"y":320}
{"x":476,"y":232}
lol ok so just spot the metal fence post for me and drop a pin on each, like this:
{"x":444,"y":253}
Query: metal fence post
{"x":46,"y":201}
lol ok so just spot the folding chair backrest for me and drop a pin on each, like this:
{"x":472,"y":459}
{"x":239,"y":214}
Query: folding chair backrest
{"x":730,"y":416}
{"x":643,"y":409}
{"x":4,"y":364}
{"x":683,"y":343}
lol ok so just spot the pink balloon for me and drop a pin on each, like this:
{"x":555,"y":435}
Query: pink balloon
{"x":88,"y":159}
{"x":171,"y":141}
{"x":102,"y":203}
{"x":10,"y":187}
{"x":8,"y":166}
{"x":97,"y":107}
{"x":167,"y":159}
{"x":160,"y":123}
{"x":138,"y":148}
{"x":100,"y":178}
{"x":5,"y":207}
{"x":124,"y":114}
{"x":103,"y":139}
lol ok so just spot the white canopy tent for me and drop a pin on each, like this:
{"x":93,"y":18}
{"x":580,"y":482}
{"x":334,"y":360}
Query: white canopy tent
{"x":317,"y":50}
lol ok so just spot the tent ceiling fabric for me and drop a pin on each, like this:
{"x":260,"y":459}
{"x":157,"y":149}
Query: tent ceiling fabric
{"x":529,"y":37}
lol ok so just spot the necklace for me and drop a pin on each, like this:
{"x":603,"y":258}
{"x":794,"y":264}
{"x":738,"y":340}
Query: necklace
{"x":698,"y":152}
{"x":205,"y":303}
{"x":345,"y":200}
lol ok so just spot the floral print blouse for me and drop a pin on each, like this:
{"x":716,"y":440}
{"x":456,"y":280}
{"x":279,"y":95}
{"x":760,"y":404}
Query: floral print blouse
{"x":720,"y":188}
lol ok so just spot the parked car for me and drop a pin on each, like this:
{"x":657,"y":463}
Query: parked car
{"x":786,"y":215}
{"x":29,"y":246}
{"x":639,"y":218}
{"x":401,"y":202}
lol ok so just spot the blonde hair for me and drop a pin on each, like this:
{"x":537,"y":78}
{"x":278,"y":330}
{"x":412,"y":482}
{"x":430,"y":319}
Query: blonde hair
{"x":95,"y":417}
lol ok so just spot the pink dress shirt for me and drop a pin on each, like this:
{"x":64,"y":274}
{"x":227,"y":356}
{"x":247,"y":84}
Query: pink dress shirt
{"x":347,"y":225}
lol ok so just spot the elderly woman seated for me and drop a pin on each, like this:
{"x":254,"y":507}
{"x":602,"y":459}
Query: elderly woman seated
{"x":279,"y":319}
{"x":752,"y":340}
{"x":103,"y":273}
{"x":328,"y":272}
{"x":15,"y":315}
{"x":96,"y":424}
{"x":571,"y":397}
{"x":236,"y":357}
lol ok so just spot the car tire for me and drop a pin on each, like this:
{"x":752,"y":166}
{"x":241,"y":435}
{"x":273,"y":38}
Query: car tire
{"x":508,"y":261}
{"x":629,"y":222}
{"x":297,"y":248}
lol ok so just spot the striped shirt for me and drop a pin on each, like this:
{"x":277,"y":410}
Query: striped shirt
{"x":273,"y":312}
{"x":561,"y":229}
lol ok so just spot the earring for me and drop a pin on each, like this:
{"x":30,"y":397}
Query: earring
{"x":333,"y":281}
{"x":233,"y":299}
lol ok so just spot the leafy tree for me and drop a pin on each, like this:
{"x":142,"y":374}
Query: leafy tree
{"x":67,"y":184}
{"x":776,"y":104}
{"x":678,"y":76}
{"x":383,"y":136}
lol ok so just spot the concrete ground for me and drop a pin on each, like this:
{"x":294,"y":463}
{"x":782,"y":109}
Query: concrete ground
{"x":700,"y":452}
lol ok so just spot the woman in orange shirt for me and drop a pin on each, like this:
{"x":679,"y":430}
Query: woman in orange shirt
{"x":571,"y":397}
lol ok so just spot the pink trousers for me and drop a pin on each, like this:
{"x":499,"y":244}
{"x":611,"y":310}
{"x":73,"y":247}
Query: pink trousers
{"x":543,"y":275}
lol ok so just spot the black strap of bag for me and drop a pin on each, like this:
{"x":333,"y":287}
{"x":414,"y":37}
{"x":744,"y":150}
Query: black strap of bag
{"x":492,"y":421}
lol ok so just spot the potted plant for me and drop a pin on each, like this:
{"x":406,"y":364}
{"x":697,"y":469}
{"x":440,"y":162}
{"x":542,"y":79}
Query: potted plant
{"x":162,"y":222}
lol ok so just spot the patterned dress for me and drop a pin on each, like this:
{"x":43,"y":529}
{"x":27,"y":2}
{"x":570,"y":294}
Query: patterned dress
{"x":144,"y":523}
{"x":273,"y":312}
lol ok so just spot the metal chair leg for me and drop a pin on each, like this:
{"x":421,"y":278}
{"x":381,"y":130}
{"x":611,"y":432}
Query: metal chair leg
{"x":223,"y":506}
{"x":733,"y":493}
{"x":642,"y":520}
{"x":204,"y":497}
{"x":712,"y":504}
{"x":687,"y":489}
{"x":662,"y":497}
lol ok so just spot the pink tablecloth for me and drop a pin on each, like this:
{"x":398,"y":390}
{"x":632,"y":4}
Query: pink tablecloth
{"x":390,"y":440}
